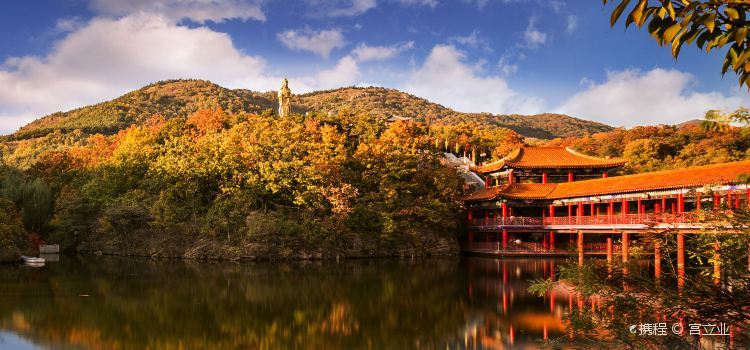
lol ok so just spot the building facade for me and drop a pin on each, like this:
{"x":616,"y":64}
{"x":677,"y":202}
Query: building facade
{"x":550,"y":200}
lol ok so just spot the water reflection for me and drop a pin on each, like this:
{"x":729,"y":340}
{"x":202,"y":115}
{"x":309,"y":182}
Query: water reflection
{"x":130,"y":303}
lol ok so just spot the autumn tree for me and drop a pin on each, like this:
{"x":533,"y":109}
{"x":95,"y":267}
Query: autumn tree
{"x":709,"y":24}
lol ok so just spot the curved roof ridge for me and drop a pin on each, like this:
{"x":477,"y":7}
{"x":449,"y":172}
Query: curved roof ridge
{"x":584,"y":155}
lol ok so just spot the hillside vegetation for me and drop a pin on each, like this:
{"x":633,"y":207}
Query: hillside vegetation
{"x":183,"y":97}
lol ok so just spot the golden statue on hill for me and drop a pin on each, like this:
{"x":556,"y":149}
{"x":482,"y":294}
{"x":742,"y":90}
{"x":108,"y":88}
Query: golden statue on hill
{"x":285,"y":99}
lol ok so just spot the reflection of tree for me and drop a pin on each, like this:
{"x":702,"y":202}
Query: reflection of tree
{"x":138,"y":304}
{"x":696,"y":295}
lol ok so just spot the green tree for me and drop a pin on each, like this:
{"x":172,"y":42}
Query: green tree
{"x":709,"y":24}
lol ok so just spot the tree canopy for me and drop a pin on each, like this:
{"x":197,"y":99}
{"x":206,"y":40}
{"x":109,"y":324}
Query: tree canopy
{"x":709,"y":24}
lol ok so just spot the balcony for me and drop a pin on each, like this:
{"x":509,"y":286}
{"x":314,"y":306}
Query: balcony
{"x":600,"y":221}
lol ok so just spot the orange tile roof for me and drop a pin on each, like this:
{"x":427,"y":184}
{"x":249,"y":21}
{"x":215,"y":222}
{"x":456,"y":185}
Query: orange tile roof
{"x":725,"y":173}
{"x":548,"y":157}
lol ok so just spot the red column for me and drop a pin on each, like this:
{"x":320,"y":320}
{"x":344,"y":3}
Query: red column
{"x":544,"y":177}
{"x":657,"y":208}
{"x":510,"y":176}
{"x":698,"y":200}
{"x":580,"y":248}
{"x":505,"y":239}
{"x":717,"y":263}
{"x":680,"y":202}
{"x":611,"y":211}
{"x":729,"y":199}
{"x":505,"y":210}
{"x":640,"y":206}
{"x":680,"y":259}
{"x":570,"y":176}
{"x":552,"y":210}
{"x":625,"y":246}
{"x":604,"y":174}
{"x":657,"y":258}
{"x":717,"y":201}
{"x":579,"y":213}
{"x":592,"y":208}
{"x":664,"y":204}
{"x":552,"y":240}
{"x":486,"y":182}
{"x":624,"y":207}
{"x":737,"y":201}
{"x":545,"y":244}
{"x":609,"y":251}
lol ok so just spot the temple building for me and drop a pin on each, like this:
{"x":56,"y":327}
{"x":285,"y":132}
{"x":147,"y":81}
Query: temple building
{"x":546,"y":200}
{"x":545,"y":165}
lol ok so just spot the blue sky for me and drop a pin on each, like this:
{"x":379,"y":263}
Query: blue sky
{"x":498,"y":56}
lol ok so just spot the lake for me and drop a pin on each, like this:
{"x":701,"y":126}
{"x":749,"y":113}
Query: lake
{"x":134,"y":303}
{"x":92,"y":302}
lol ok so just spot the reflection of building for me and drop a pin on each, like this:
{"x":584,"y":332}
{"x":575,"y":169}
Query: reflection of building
{"x":505,"y":315}
{"x":532,"y":202}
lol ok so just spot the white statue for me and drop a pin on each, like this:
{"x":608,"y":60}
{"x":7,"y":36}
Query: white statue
{"x":285,"y":99}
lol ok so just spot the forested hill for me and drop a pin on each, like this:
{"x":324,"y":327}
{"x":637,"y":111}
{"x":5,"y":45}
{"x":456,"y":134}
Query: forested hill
{"x":183,"y":97}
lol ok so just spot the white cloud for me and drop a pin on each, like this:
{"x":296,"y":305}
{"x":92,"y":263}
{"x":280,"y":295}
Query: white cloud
{"x":506,"y":67}
{"x":474,"y":40}
{"x":363,"y":52}
{"x":556,"y":5}
{"x":571,"y":23}
{"x":107,"y":57}
{"x":199,"y":11}
{"x":445,"y":78}
{"x":350,"y":8}
{"x":320,"y":43}
{"x":533,"y":36}
{"x":344,"y":73}
{"x":632,"y":97}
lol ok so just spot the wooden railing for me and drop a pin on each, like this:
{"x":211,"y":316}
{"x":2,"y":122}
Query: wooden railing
{"x":629,"y":219}
{"x":533,"y":247}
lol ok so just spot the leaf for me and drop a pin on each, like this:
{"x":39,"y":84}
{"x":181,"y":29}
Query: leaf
{"x":732,"y":13}
{"x":676,"y":45}
{"x":740,"y":34}
{"x":670,"y":33}
{"x":671,"y":10}
{"x":617,"y":12}
{"x":637,"y":14}
{"x":710,"y":22}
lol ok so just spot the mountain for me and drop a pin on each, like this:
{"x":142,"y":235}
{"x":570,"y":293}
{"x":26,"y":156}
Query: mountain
{"x":183,"y":97}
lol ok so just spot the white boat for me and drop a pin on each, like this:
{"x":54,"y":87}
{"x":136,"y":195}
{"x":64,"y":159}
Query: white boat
{"x":32,"y":261}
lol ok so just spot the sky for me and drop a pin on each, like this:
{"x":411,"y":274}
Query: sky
{"x":497,"y":56}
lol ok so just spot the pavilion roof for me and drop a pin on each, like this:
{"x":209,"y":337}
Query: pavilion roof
{"x":548,"y":158}
{"x":724,"y":173}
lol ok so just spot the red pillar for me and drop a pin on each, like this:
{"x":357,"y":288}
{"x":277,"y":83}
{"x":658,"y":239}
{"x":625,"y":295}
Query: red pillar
{"x":579,"y":212}
{"x":580,"y":248}
{"x":604,"y":174}
{"x":717,"y":201}
{"x":592,"y":208}
{"x":505,"y":239}
{"x":551,"y":211}
{"x":625,"y":246}
{"x":570,"y":176}
{"x":510,"y":176}
{"x":680,"y":202}
{"x":624,"y":208}
{"x":611,"y":211}
{"x":552,"y":240}
{"x":664,"y":204}
{"x":657,"y":208}
{"x":698,"y":200}
{"x":609,"y":251}
{"x":544,"y":177}
{"x":640,"y":206}
{"x":717,"y":263}
{"x":657,"y":259}
{"x":505,"y":210}
{"x":680,"y":259}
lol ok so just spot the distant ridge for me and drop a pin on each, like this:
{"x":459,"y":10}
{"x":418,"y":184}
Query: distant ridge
{"x":183,"y":97}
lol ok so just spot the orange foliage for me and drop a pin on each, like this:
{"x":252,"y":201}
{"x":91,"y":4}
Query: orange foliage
{"x":208,"y":120}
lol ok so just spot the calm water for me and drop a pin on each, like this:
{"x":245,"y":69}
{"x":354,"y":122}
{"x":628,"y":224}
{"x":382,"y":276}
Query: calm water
{"x":132,"y":303}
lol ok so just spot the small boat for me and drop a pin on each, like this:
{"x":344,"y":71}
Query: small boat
{"x":32,"y":261}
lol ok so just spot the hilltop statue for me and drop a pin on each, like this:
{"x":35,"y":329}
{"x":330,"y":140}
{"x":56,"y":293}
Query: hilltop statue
{"x":285,"y":99}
